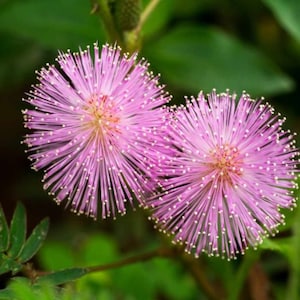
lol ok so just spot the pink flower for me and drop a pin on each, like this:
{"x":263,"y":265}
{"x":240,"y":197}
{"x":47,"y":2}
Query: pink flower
{"x":233,"y":170}
{"x":96,"y":129}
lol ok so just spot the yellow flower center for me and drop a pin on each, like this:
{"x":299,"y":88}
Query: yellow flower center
{"x":226,"y":160}
{"x":101,"y":115}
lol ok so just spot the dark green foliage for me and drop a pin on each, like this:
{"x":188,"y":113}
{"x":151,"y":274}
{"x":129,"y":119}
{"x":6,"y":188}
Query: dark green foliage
{"x":144,"y":280}
{"x":22,"y":289}
{"x":16,"y":250}
{"x":52,"y":24}
{"x":4,"y":232}
{"x":287,"y":13}
{"x":63,"y":276}
{"x":193,"y":58}
{"x":17,"y":231}
{"x":35,"y":241}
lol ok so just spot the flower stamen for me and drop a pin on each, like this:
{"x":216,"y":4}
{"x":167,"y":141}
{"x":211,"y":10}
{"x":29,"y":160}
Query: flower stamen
{"x":101,"y":115}
{"x":226,"y":160}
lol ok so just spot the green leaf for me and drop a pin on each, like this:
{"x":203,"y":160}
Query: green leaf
{"x":202,"y":58}
{"x":6,"y":294}
{"x":35,"y":241}
{"x":289,"y":219}
{"x":287,"y":13}
{"x":283,"y":245}
{"x":22,"y":289}
{"x":17,"y":231}
{"x":63,"y":276}
{"x":9,"y":264}
{"x":48,"y":291}
{"x":56,"y":24}
{"x":4,"y":232}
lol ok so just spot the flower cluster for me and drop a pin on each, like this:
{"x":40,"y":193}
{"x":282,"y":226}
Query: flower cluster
{"x":214,"y":172}
{"x":234,"y":168}
{"x":96,"y":126}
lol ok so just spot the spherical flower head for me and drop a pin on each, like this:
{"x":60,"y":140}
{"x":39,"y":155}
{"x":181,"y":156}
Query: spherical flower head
{"x":96,"y":129}
{"x":234,"y":169}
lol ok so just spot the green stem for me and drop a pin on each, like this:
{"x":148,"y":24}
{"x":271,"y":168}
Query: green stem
{"x":242,"y":273}
{"x":176,"y":253}
{"x":196,"y":270}
{"x":160,"y":252}
{"x":145,"y":14}
{"x":190,"y":262}
{"x":166,"y":252}
{"x":108,"y":21}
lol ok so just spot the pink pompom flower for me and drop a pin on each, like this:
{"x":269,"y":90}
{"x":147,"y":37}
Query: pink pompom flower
{"x":96,"y":129}
{"x":234,"y":169}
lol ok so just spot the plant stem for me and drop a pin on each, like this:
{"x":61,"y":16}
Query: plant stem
{"x":145,"y":14}
{"x":160,"y":252}
{"x":176,"y":253}
{"x":190,"y":263}
{"x":108,"y":21}
{"x":32,"y":273}
{"x":242,"y":273}
{"x":193,"y":265}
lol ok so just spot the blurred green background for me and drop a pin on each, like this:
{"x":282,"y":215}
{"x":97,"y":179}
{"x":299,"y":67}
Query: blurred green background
{"x":194,"y":45}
